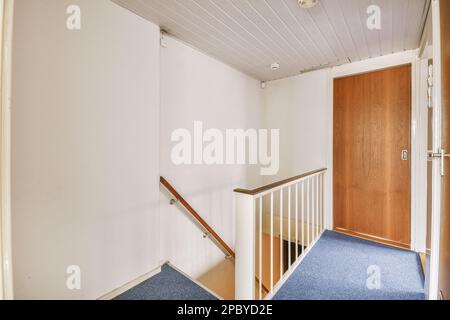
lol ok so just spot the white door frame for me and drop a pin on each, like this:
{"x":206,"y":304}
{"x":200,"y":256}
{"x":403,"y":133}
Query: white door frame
{"x":418,"y":121}
{"x":437,"y":144}
{"x":6,"y":26}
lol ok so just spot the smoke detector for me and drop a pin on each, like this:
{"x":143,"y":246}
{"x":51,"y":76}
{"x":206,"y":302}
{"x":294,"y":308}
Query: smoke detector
{"x":306,"y":4}
{"x":275,"y":66}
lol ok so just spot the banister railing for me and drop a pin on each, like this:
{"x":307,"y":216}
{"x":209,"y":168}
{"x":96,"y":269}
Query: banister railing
{"x":208,"y":229}
{"x":283,"y":183}
{"x":205,"y":226}
{"x":290,"y":212}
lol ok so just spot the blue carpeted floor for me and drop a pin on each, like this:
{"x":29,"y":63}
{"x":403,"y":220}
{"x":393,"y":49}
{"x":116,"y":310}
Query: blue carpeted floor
{"x":336,"y":269}
{"x":167,"y":285}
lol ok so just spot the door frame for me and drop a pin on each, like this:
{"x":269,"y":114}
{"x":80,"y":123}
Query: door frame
{"x":418,"y":141}
{"x":437,"y":144}
{"x":6,"y":28}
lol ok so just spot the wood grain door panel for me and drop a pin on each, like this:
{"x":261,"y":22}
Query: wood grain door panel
{"x":372,"y":125}
{"x":444,"y":255}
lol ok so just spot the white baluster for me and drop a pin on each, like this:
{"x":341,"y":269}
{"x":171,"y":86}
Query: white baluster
{"x":296,"y":221}
{"x":313,"y":209}
{"x":303,"y":217}
{"x":271,"y":242}
{"x":260,"y":247}
{"x":317,"y":205}
{"x":307,"y":213}
{"x":321,"y":203}
{"x":289,"y":228}
{"x":281,"y":234}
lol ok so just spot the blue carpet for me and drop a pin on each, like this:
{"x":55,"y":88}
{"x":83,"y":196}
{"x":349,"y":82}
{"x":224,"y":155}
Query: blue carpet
{"x":167,"y":285}
{"x":336,"y":269}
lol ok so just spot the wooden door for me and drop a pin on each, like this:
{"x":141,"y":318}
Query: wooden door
{"x":444,"y":256}
{"x":372,"y":130}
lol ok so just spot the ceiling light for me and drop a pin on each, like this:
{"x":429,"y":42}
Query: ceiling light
{"x":275,"y":66}
{"x":306,"y":4}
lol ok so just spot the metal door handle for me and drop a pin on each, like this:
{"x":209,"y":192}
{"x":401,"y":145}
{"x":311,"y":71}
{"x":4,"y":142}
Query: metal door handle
{"x":441,"y":156}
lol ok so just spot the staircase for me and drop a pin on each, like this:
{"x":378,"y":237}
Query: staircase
{"x":169,"y":284}
{"x":221,"y":278}
{"x":282,"y":241}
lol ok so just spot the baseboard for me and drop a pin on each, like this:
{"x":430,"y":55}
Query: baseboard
{"x":373,"y":238}
{"x":117,"y":292}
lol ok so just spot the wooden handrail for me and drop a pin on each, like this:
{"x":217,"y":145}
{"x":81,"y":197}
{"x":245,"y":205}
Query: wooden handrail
{"x":254,"y":192}
{"x":204,"y":224}
{"x":197,"y":217}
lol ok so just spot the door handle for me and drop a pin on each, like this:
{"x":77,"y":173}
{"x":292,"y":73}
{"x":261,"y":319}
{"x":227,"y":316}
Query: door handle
{"x":441,"y":156}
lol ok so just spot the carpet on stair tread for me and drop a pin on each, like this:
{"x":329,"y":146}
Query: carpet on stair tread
{"x":169,"y":284}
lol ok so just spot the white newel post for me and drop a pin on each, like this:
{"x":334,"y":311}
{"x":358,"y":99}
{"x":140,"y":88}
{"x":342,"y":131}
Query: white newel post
{"x":245,"y":247}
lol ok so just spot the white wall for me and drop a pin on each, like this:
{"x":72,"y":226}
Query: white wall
{"x":197,"y":87}
{"x":300,"y":107}
{"x":85,"y":148}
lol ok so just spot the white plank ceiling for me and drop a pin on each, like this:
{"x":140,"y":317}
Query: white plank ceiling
{"x":250,"y":35}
